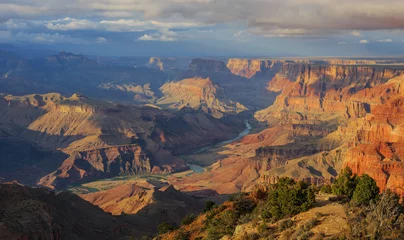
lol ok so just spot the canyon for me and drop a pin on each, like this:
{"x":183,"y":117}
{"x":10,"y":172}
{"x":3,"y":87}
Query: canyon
{"x":123,"y":134}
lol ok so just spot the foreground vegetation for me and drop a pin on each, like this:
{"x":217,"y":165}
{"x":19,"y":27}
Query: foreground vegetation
{"x":268,"y":213}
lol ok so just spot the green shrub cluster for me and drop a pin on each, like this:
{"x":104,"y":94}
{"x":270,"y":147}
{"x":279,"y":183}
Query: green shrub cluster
{"x":288,"y":198}
{"x":360,"y":189}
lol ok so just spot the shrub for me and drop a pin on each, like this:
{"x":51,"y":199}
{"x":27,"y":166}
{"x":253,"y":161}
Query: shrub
{"x":251,"y":236}
{"x":289,"y":198}
{"x":236,"y":196}
{"x":209,"y":205}
{"x":245,"y":218}
{"x":181,"y":235}
{"x":188,"y":219}
{"x":165,"y":228}
{"x":244,"y":206}
{"x":310,"y":224}
{"x":223,"y":224}
{"x":345,"y":183}
{"x":306,"y":235}
{"x":366,"y":190}
{"x":285,"y":224}
{"x":319,"y":214}
{"x":381,"y":219}
{"x":326,"y":188}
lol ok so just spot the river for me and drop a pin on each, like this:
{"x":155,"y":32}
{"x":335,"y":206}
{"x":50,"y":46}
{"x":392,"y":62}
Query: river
{"x":245,"y":132}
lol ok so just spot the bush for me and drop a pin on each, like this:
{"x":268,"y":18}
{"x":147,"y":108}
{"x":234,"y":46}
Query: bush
{"x":245,"y":218}
{"x":188,"y":219}
{"x":251,"y":236}
{"x":244,"y":206}
{"x":289,"y":198}
{"x":223,"y":224}
{"x":326,"y":188}
{"x":381,"y":219}
{"x":182,"y":236}
{"x":306,"y":235}
{"x":285,"y":224}
{"x":345,"y":183}
{"x":366,"y":190}
{"x":165,"y":228}
{"x":236,"y":196}
{"x":310,"y":224}
{"x":209,"y":205}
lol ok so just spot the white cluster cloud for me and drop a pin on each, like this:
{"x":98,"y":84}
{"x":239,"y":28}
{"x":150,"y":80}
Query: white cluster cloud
{"x":164,"y":36}
{"x":363,"y":41}
{"x":101,"y":40}
{"x":356,"y":33}
{"x":387,"y":40}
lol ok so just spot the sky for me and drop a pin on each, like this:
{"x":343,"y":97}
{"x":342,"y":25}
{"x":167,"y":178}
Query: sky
{"x":248,"y":28}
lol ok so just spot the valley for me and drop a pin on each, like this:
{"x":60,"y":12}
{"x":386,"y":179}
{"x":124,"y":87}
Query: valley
{"x":151,"y":140}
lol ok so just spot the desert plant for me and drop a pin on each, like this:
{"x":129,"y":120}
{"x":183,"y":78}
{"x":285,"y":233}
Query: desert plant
{"x":165,"y":228}
{"x":326,"y":188}
{"x":285,"y":224}
{"x":366,"y":190}
{"x":345,"y":183}
{"x":289,"y":198}
{"x":188,"y":219}
{"x":209,"y":205}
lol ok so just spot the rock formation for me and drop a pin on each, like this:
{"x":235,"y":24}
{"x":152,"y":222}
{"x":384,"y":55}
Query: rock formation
{"x":104,"y":139}
{"x":251,"y":68}
{"x":208,"y":65}
{"x":37,"y":213}
{"x":198,"y":93}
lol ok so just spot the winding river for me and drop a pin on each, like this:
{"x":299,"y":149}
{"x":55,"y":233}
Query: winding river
{"x":199,"y":169}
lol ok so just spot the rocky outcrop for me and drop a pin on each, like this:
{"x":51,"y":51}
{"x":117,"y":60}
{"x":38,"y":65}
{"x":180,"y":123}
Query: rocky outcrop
{"x":164,"y":64}
{"x":251,"y":68}
{"x":37,"y":213}
{"x":106,"y":163}
{"x":147,"y":207}
{"x":324,"y":89}
{"x":208,"y":65}
{"x":198,"y":93}
{"x":65,"y":59}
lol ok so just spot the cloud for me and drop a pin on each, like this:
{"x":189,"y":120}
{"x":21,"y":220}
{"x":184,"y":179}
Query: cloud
{"x":164,"y":36}
{"x":270,"y":18}
{"x":238,"y":34}
{"x":363,"y":41}
{"x":48,"y":38}
{"x":70,"y":24}
{"x":387,"y":40}
{"x":101,"y":40}
{"x":340,"y":43}
{"x":356,"y":33}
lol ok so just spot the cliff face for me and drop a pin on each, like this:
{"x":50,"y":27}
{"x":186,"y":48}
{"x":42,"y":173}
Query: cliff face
{"x":109,"y":162}
{"x":198,"y":93}
{"x":378,"y":146}
{"x":102,"y":139}
{"x":323,"y":88}
{"x":250,"y":68}
{"x":359,"y":105}
{"x":208,"y":65}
